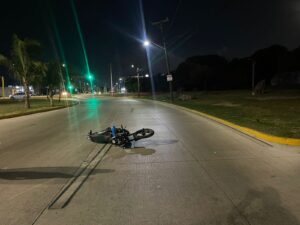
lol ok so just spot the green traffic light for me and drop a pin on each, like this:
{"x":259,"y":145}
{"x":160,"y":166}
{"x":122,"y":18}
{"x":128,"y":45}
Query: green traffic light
{"x":90,"y":76}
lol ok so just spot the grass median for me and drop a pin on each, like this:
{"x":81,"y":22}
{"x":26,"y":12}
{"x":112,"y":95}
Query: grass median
{"x":12,"y":108}
{"x":276,"y":112}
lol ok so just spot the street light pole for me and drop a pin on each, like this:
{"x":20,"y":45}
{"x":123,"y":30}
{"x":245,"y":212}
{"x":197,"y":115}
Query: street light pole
{"x":160,"y":25}
{"x":168,"y":71}
{"x":138,"y":80}
{"x":111,"y":80}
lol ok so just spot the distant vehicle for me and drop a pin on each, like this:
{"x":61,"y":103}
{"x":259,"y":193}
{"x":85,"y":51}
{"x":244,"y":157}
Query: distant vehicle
{"x":18,"y":96}
{"x":66,"y":94}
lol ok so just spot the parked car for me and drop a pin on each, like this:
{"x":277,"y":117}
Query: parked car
{"x":17,"y":96}
{"x":66,"y":94}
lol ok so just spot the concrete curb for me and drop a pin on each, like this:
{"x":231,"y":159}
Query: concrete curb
{"x":245,"y":130}
{"x":38,"y":111}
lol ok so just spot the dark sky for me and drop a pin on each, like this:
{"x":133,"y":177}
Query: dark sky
{"x":112,"y":29}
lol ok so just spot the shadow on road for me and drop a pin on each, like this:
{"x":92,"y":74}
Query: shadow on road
{"x":42,"y":173}
{"x":263,"y":207}
{"x":156,"y":142}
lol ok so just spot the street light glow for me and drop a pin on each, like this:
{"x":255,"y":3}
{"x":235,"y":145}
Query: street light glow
{"x":90,"y":76}
{"x":132,"y":66}
{"x":146,"y":43}
{"x":147,"y":75}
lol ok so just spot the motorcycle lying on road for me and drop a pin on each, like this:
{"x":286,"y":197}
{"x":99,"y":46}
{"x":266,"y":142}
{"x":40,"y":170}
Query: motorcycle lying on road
{"x":119,"y":136}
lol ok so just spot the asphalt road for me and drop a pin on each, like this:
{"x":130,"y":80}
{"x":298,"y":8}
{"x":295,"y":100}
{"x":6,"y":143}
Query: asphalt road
{"x":192,"y":171}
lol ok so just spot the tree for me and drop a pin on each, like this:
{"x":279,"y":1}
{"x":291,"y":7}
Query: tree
{"x":23,"y":64}
{"x":53,"y":79}
{"x":269,"y":62}
{"x":201,"y":73}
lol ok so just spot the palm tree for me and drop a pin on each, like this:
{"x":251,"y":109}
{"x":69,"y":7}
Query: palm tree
{"x":22,"y":63}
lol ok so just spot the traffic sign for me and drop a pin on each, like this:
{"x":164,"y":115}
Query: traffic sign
{"x":169,"y":77}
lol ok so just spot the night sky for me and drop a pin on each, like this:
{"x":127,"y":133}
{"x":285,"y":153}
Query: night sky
{"x":112,"y":30}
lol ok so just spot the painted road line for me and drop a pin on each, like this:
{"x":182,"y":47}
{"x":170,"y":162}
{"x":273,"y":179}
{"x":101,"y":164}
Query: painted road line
{"x":70,"y":189}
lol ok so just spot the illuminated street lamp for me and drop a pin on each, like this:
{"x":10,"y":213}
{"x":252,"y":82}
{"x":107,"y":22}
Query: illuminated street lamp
{"x":146,"y":43}
{"x":70,"y":87}
{"x":90,"y":77}
{"x":164,"y":48}
{"x":122,"y":84}
{"x":147,"y":75}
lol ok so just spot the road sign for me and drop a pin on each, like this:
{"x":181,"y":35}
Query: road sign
{"x":169,"y":77}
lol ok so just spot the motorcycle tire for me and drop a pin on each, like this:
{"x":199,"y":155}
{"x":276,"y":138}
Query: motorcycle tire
{"x":143,"y":133}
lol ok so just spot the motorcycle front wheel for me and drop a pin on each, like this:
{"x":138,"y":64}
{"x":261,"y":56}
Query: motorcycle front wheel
{"x":143,"y":133}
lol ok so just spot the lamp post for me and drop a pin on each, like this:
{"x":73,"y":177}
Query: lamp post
{"x":111,"y":80}
{"x":138,"y":78}
{"x":90,"y":77}
{"x":169,"y":76}
{"x":120,"y":84}
{"x":70,"y":87}
{"x":160,"y":25}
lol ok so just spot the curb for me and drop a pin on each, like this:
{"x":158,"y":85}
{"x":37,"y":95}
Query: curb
{"x":37,"y":111}
{"x":245,"y":130}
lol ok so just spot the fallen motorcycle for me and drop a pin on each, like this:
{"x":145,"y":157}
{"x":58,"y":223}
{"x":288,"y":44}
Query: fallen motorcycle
{"x":119,"y":136}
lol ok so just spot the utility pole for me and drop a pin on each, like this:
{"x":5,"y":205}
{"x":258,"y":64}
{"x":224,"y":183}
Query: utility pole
{"x":3,"y":91}
{"x":160,"y":24}
{"x":137,"y":77}
{"x":138,"y":80}
{"x":111,"y":80}
{"x":253,"y":77}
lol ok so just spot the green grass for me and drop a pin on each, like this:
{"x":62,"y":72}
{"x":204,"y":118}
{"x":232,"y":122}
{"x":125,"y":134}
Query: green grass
{"x":276,"y":113}
{"x":11,"y":108}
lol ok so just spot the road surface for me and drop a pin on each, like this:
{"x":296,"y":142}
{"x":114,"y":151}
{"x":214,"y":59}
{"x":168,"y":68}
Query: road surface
{"x":192,"y":171}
